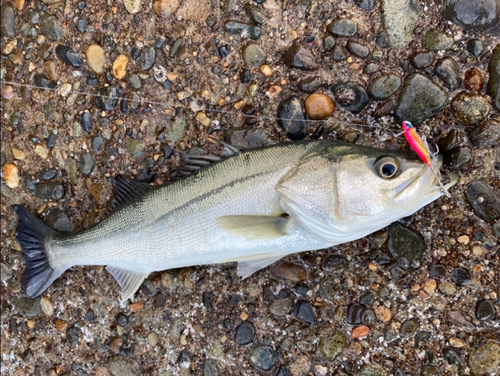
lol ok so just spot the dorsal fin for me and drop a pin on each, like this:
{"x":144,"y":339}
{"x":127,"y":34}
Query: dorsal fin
{"x":192,"y":164}
{"x":128,"y":190}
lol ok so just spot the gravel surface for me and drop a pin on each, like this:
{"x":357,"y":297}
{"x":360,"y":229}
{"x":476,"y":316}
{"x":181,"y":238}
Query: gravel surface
{"x":92,"y":90}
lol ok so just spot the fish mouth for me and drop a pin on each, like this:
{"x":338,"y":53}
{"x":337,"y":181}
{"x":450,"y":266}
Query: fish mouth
{"x":426,"y":182}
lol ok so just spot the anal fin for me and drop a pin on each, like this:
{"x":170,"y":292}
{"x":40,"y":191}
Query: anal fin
{"x":128,"y":280}
{"x":254,"y":227}
{"x":247,"y":267}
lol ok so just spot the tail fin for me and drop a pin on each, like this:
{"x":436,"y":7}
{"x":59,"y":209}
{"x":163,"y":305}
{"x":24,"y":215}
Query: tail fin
{"x":32,"y":234}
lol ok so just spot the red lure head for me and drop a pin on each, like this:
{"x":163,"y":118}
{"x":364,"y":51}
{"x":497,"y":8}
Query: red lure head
{"x":407,"y":126}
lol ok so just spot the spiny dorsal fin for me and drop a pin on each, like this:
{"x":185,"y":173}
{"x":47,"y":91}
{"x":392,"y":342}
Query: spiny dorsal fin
{"x":128,"y":190}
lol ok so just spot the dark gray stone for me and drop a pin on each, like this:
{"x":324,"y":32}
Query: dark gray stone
{"x":485,"y":310}
{"x":471,"y":14}
{"x":27,"y":307}
{"x":351,"y":96}
{"x":147,"y":58}
{"x":420,"y":99}
{"x":366,"y":4}
{"x":86,"y":121}
{"x":50,"y":191}
{"x":475,"y":47}
{"x":384,"y":86}
{"x":458,"y":157}
{"x":68,"y":56}
{"x":304,"y":312}
{"x":107,"y":98}
{"x":339,"y":53}
{"x":494,"y":81}
{"x":58,"y":220}
{"x":245,"y":333}
{"x":86,"y":163}
{"x":437,"y":40}
{"x":484,"y":201}
{"x":310,"y":84}
{"x":422,"y":60}
{"x":486,"y":134}
{"x":255,"y":14}
{"x":8,"y":20}
{"x":405,"y":242}
{"x":51,"y":28}
{"x":460,"y":276}
{"x":263,"y":357}
{"x":243,"y":30}
{"x":300,"y":57}
{"x":291,"y":118}
{"x":329,"y":289}
{"x":448,"y":71}
{"x":342,"y":28}
{"x":357,"y":49}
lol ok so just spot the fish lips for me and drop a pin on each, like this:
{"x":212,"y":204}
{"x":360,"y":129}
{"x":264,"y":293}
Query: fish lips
{"x":424,"y":187}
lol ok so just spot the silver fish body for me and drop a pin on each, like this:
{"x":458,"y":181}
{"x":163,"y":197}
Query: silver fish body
{"x":254,"y":208}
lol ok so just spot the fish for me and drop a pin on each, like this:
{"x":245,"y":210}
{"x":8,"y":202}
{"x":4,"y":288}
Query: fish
{"x":253,"y":207}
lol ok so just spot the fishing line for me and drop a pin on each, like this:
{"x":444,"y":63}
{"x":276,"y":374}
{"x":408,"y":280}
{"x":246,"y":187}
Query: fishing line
{"x":184,"y":106}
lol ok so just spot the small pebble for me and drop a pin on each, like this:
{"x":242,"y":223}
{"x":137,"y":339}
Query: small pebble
{"x":96,"y":58}
{"x":342,"y":28}
{"x":300,"y":57}
{"x":485,"y":310}
{"x":360,"y":331}
{"x":132,"y":6}
{"x":11,"y":175}
{"x":291,"y":118}
{"x":27,"y":307}
{"x":448,"y":71}
{"x":163,"y":8}
{"x":120,"y":66}
{"x":280,"y":307}
{"x":252,"y":54}
{"x":245,"y":333}
{"x":304,"y":312}
{"x":486,"y":134}
{"x":120,"y":365}
{"x":436,"y":40}
{"x":69,"y":56}
{"x":332,"y":346}
{"x":475,"y":47}
{"x":7,"y":92}
{"x":263,"y":357}
{"x":354,"y":313}
{"x":47,"y":306}
{"x":422,"y":60}
{"x":405,"y":242}
{"x":383,"y":313}
{"x":357,"y":49}
{"x":409,"y":328}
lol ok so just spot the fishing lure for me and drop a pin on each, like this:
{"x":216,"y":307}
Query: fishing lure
{"x":420,"y":147}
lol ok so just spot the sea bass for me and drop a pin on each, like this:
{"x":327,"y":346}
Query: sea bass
{"x":254,"y":207}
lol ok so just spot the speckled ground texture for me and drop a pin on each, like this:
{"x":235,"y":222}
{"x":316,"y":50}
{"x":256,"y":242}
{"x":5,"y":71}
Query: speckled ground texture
{"x":419,"y":298}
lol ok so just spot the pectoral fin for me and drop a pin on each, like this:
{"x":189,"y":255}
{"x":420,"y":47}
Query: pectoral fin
{"x":129,"y":281}
{"x":254,"y":227}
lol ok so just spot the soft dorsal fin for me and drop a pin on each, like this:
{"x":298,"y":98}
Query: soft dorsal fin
{"x":129,"y":281}
{"x":128,"y":190}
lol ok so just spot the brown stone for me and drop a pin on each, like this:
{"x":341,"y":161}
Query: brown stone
{"x":116,"y":344}
{"x":289,"y":272}
{"x":11,"y":174}
{"x":319,"y":106}
{"x":120,"y":66}
{"x":165,"y":8}
{"x":474,"y":80}
{"x":383,"y":313}
{"x":360,"y":331}
{"x":50,"y":70}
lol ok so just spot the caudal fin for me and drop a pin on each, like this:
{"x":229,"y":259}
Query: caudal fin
{"x":32,"y":234}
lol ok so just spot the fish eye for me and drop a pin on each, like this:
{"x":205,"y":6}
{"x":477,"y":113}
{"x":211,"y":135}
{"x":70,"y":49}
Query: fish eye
{"x":386,"y":167}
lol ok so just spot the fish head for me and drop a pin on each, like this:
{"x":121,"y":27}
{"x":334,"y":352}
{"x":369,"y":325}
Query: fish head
{"x":374,"y":185}
{"x":343,"y":192}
